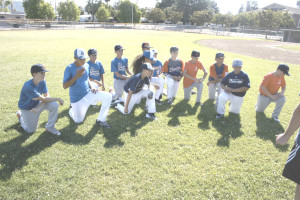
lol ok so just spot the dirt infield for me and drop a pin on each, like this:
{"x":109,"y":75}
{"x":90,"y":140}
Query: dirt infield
{"x":269,"y":50}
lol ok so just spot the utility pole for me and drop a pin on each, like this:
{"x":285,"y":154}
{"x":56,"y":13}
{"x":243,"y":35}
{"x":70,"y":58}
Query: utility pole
{"x":132,"y":11}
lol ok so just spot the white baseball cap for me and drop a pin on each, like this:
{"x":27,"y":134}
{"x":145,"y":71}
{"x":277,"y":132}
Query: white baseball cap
{"x":237,"y":63}
{"x":80,"y":53}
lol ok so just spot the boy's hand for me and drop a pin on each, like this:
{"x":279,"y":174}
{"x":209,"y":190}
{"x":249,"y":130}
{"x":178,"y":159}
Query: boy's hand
{"x":103,"y":88}
{"x":126,"y":109}
{"x":61,"y":102}
{"x":79,"y":72}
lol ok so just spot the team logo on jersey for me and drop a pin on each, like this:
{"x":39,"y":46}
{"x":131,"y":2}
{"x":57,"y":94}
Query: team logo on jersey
{"x":121,"y":67}
{"x":236,"y":81}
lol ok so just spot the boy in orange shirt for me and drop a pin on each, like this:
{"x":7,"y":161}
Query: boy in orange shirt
{"x":190,"y":79}
{"x":217,"y":72}
{"x":269,"y":91}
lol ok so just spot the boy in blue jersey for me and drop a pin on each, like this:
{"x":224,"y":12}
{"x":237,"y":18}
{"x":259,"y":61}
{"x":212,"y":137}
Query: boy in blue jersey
{"x":119,"y":66}
{"x":34,"y":99}
{"x":82,"y":93}
{"x":234,"y":85}
{"x":157,"y":78}
{"x":96,"y":70}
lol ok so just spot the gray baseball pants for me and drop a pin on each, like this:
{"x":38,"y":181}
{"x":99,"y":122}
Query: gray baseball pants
{"x":188,"y":90}
{"x":29,"y":120}
{"x":264,"y":101}
{"x":119,"y":86}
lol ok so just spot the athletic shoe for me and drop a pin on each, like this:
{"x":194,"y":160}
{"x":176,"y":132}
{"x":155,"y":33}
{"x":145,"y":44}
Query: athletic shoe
{"x":170,"y":101}
{"x":114,"y":103}
{"x":193,"y":92}
{"x":19,"y":114}
{"x":53,"y":131}
{"x":103,"y":124}
{"x":218,"y":116}
{"x":276,"y":119}
{"x":199,"y":104}
{"x":157,"y":101}
{"x":151,"y":116}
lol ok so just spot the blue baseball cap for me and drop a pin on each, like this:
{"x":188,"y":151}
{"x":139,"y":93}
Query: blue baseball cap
{"x":237,"y":63}
{"x":38,"y":68}
{"x":119,"y":47}
{"x":80,"y":53}
{"x":220,"y":55}
{"x":149,"y":54}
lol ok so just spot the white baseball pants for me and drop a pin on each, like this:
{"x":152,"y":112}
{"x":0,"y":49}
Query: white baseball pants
{"x":136,"y":99}
{"x":29,"y":120}
{"x":78,"y":110}
{"x":235,"y":106}
{"x":264,"y":101}
{"x":160,"y":81}
{"x":172,"y":87}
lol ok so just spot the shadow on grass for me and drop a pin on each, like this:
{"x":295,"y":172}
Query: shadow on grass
{"x":267,"y":129}
{"x":207,"y":114}
{"x":229,"y":127}
{"x":182,"y":108}
{"x":14,"y":156}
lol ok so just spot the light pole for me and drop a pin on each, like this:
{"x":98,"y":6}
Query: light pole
{"x":132,"y":11}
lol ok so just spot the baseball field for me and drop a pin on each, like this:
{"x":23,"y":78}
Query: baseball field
{"x":185,"y":154}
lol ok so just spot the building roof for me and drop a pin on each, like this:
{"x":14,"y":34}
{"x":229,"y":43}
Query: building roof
{"x":276,"y":6}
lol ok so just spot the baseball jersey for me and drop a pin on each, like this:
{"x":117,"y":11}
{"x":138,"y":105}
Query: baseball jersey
{"x":136,"y":83}
{"x":96,"y":70}
{"x":29,"y":92}
{"x":81,"y":86}
{"x":156,"y":72}
{"x":272,"y":83}
{"x":217,"y":72}
{"x":235,"y":81}
{"x":119,"y":65}
{"x":173,"y":68}
{"x":191,"y":69}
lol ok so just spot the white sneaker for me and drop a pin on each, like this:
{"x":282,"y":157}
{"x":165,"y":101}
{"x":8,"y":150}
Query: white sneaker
{"x":53,"y":131}
{"x":276,"y":119}
{"x":18,"y":114}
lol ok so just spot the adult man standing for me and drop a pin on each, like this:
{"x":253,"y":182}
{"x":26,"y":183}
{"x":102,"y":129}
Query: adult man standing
{"x":82,"y":94}
{"x":269,"y":91}
{"x":34,"y":99}
{"x":234,"y":85}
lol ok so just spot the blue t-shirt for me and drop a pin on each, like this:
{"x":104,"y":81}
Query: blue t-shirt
{"x":157,"y":71}
{"x":119,"y":65}
{"x":29,"y":92}
{"x":81,"y":86}
{"x":96,"y":70}
{"x":234,"y":81}
{"x":136,"y":83}
{"x":219,"y":71}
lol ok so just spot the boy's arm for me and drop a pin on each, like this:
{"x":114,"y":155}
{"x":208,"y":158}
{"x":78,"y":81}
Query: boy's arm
{"x":294,"y":124}
{"x":102,"y":80}
{"x":95,"y":81}
{"x":127,"y":101}
{"x":70,"y":82}
{"x":128,"y":72}
{"x":121,"y":75}
{"x":45,"y":99}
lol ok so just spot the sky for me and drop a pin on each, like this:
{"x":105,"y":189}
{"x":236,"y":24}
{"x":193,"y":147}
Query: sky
{"x":225,"y":6}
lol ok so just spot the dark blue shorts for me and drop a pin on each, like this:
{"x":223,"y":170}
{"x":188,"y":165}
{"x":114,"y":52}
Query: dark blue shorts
{"x":292,"y":166}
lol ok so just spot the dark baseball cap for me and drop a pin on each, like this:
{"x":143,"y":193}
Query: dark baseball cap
{"x":92,"y":52}
{"x":173,"y":49}
{"x":284,"y":68}
{"x":195,"y":54}
{"x":220,"y":55}
{"x":146,"y":45}
{"x":38,"y":68}
{"x":119,"y":47}
{"x":147,"y":66}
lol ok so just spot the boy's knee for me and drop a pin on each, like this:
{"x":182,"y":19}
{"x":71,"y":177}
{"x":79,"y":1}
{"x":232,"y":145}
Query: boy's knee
{"x":53,"y":105}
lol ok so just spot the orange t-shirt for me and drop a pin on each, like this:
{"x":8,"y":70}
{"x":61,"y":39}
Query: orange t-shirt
{"x":213,"y":73}
{"x":272,"y":83}
{"x":191,"y":70}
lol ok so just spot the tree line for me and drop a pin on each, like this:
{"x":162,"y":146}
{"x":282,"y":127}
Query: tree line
{"x":194,"y":12}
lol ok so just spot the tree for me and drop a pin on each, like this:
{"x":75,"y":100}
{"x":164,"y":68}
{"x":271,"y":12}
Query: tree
{"x":241,"y":10}
{"x":107,"y":1}
{"x":268,"y":19}
{"x":156,"y":15}
{"x":229,"y":20}
{"x":68,"y":11}
{"x":81,"y":10}
{"x":165,"y":4}
{"x":252,"y":19}
{"x":286,"y":20}
{"x":173,"y":16}
{"x":92,"y":6}
{"x":251,"y":5}
{"x":201,"y":17}
{"x":38,"y":9}
{"x":102,"y":14}
{"x":124,"y":13}
{"x":218,"y":19}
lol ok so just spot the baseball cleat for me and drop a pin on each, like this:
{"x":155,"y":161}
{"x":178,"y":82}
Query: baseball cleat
{"x":103,"y":124}
{"x":218,"y":116}
{"x":151,"y":116}
{"x":199,"y":104}
{"x":157,"y":101}
{"x":53,"y":131}
{"x":276,"y":119}
{"x":170,"y":101}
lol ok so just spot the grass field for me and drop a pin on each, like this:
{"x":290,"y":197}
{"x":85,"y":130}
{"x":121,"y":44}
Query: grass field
{"x":186,"y":154}
{"x":291,"y":47}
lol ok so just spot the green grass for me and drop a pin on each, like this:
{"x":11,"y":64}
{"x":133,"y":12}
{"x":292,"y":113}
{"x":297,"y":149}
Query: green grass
{"x":186,"y":154}
{"x":291,"y":47}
